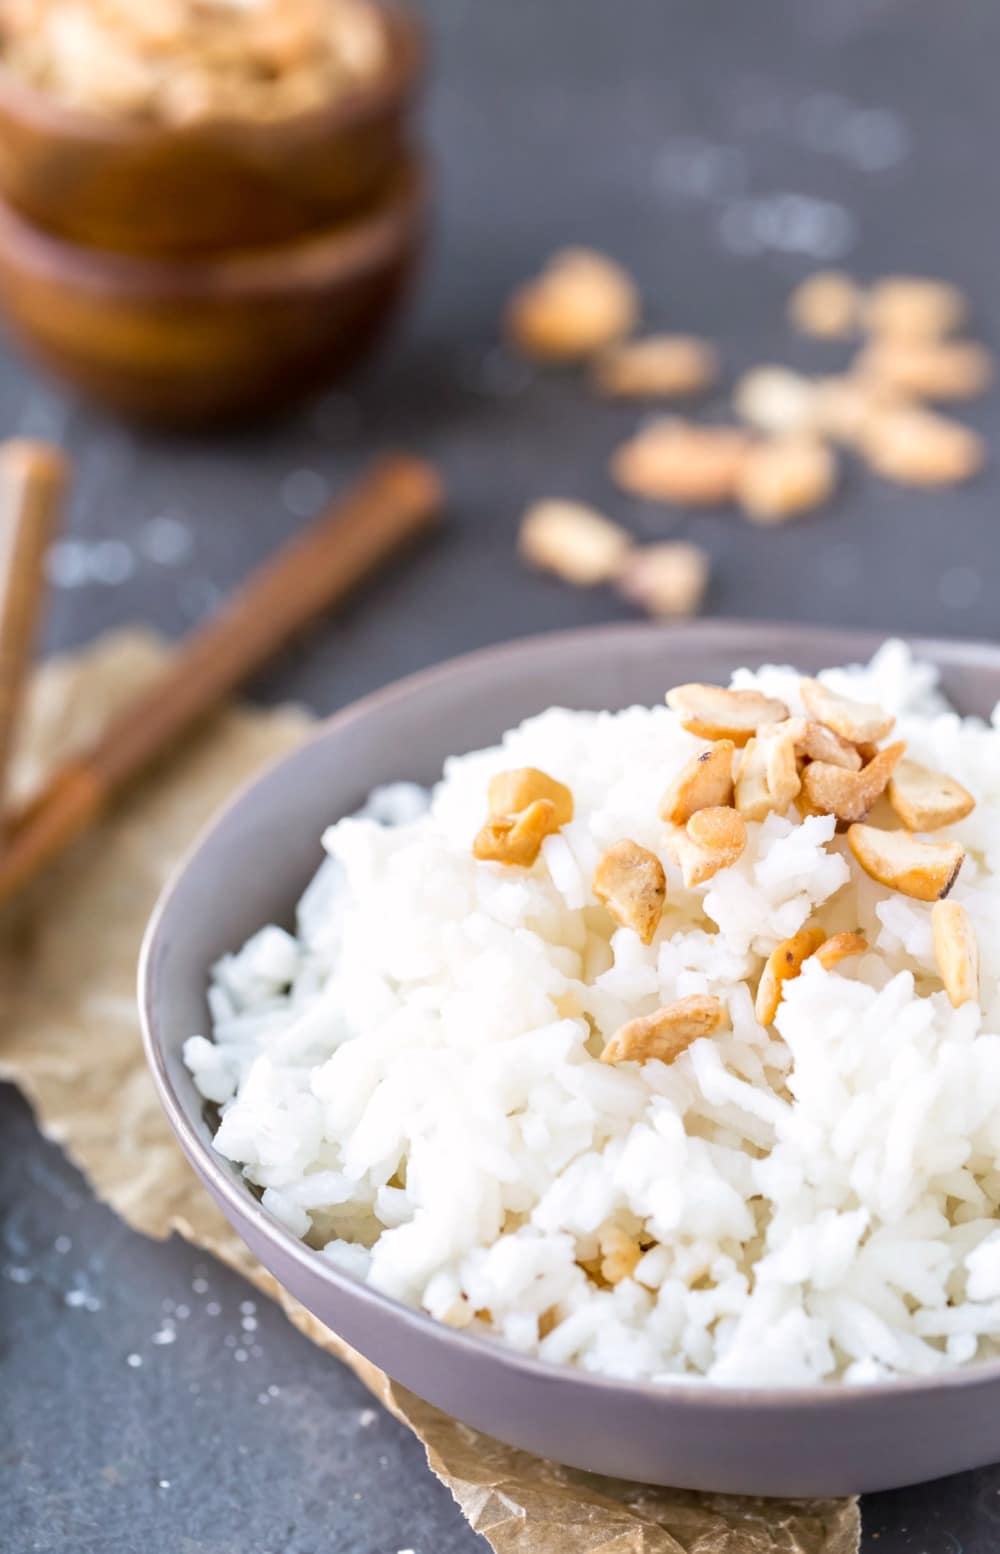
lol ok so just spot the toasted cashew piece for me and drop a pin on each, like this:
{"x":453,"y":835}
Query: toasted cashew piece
{"x":928,"y":369}
{"x":707,"y":779}
{"x":926,"y":800}
{"x":783,"y":477}
{"x":717,"y":713}
{"x":666,"y":1033}
{"x":513,"y":791}
{"x":657,"y":367}
{"x":783,"y":781}
{"x":575,"y":542}
{"x":713,"y":839}
{"x":678,"y":461}
{"x":924,"y":870}
{"x":805,"y":806}
{"x":769,"y":778}
{"x":816,"y":742}
{"x":841,"y":946}
{"x":516,"y":839}
{"x":630,"y":882}
{"x":956,"y":951}
{"x":844,"y":404}
{"x":666,"y":579}
{"x":581,"y":302}
{"x":620,"y":1254}
{"x":718,"y":830}
{"x":850,"y":795}
{"x":775,"y":400}
{"x":781,"y":966}
{"x":752,"y":796}
{"x":827,"y":304}
{"x":918,"y":447}
{"x":459,"y":1314}
{"x":914,"y":306}
{"x":856,"y":721}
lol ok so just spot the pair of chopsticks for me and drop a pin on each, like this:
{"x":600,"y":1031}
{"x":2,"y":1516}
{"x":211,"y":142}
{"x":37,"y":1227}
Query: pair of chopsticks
{"x":399,"y":499}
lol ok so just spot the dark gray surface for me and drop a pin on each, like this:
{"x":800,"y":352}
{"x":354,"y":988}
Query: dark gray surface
{"x":721,"y":150}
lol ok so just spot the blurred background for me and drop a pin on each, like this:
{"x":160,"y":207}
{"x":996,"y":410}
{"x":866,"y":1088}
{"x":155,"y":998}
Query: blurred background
{"x":721,"y":153}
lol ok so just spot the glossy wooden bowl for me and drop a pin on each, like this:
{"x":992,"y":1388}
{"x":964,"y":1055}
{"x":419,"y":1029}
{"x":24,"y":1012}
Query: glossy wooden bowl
{"x":193,"y":341}
{"x":224,"y":183}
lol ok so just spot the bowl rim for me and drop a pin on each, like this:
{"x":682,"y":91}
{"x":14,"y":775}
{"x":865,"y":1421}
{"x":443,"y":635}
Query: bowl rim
{"x":353,"y":245}
{"x":826,"y":1397}
{"x":395,"y":84}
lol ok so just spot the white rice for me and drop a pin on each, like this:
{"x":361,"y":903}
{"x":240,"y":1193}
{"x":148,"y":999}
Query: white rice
{"x":412,"y":1078}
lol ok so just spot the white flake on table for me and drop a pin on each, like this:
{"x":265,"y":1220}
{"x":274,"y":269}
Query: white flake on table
{"x":690,"y":168}
{"x":304,"y":492}
{"x":74,"y":563}
{"x":787,"y":222}
{"x":873,"y":139}
{"x":166,"y":540}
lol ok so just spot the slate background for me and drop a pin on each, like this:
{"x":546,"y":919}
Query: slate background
{"x":722,"y":151}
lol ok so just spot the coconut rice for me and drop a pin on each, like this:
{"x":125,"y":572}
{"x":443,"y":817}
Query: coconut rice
{"x":412,"y":1079}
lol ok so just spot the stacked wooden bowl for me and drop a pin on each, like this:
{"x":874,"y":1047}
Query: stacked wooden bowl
{"x":194,"y":272}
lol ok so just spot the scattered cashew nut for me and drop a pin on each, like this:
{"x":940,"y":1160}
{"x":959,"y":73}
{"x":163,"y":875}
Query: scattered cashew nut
{"x":827,"y":304}
{"x":913,"y":306}
{"x":667,"y":579}
{"x":575,"y":542}
{"x":678,"y":461}
{"x":917,"y":447}
{"x":783,"y":477}
{"x":581,"y":302}
{"x":658,"y":367}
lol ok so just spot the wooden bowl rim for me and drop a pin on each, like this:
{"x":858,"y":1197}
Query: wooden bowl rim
{"x":393,"y":85}
{"x":341,"y":253}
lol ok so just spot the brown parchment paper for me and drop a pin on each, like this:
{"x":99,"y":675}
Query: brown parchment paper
{"x":69,"y":1037}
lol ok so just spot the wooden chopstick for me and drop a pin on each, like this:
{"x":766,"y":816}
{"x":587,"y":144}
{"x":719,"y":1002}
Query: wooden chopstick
{"x":400,"y":498}
{"x":33,"y":477}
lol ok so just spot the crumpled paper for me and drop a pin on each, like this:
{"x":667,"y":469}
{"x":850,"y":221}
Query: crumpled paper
{"x":68,"y":953}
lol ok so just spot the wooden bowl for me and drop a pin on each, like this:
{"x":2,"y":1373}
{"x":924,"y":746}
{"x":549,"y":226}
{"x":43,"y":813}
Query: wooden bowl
{"x":191,"y":341}
{"x":216,"y":184}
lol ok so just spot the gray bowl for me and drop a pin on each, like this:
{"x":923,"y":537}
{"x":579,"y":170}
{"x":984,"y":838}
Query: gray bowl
{"x":250,"y":867}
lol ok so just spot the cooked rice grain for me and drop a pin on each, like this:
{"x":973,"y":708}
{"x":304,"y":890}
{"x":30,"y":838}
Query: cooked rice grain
{"x":412,"y":1079}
